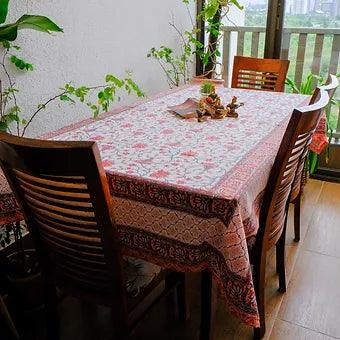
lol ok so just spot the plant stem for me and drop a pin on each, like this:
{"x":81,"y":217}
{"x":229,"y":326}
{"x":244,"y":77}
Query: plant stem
{"x":42,"y":106}
{"x":11,"y":85}
{"x":213,"y":46}
{"x":1,"y":113}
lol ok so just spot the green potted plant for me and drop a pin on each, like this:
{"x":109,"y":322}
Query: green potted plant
{"x":207,"y":88}
{"x":23,"y":274}
{"x":177,"y":66}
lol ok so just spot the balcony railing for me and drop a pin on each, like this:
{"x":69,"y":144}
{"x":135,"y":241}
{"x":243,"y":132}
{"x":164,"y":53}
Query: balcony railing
{"x":311,"y":50}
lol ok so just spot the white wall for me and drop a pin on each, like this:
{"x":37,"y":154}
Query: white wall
{"x":100,"y":36}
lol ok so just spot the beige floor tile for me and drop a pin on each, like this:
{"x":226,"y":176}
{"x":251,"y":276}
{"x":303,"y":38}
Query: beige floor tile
{"x":313,"y":296}
{"x":287,"y":331}
{"x":229,"y":327}
{"x":310,"y":197}
{"x":324,"y":233}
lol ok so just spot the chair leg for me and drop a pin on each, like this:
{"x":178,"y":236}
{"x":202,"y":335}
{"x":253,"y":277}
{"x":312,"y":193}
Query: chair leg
{"x":8,"y":320}
{"x":120,"y":326}
{"x":52,"y":317}
{"x":207,"y":306}
{"x":297,"y":217}
{"x":280,"y":262}
{"x":177,"y":304}
{"x":182,"y":299}
{"x":259,"y":275}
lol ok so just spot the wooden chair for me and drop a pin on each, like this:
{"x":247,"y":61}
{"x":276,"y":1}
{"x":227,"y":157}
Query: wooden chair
{"x":259,"y":74}
{"x":330,"y":87}
{"x":274,"y":210}
{"x":63,"y":192}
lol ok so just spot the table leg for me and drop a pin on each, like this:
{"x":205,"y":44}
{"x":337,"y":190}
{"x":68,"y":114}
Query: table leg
{"x":8,"y":320}
{"x":207,"y":306}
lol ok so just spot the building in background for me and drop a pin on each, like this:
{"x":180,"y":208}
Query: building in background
{"x":331,"y":7}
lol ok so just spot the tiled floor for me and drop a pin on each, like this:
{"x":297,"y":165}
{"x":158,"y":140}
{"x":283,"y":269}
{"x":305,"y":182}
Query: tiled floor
{"x":309,"y":310}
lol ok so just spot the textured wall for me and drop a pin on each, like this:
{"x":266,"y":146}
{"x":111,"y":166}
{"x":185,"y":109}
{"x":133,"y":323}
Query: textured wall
{"x":101,"y":36}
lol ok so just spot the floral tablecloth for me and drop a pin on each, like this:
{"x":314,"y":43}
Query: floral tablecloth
{"x":9,"y":210}
{"x":187,"y":194}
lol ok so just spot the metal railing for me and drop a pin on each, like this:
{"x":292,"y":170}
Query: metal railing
{"x":324,"y":43}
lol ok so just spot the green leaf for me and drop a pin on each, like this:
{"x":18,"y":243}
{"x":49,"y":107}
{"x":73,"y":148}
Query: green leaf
{"x":14,"y":109}
{"x":3,"y":10}
{"x":66,"y":98}
{"x":6,"y":44}
{"x":36,"y":22}
{"x":39,"y":23}
{"x":237,"y":4}
{"x":211,"y":8}
{"x":291,"y":83}
{"x":20,"y":63}
{"x":313,"y":162}
{"x":110,"y":78}
{"x":3,"y":126}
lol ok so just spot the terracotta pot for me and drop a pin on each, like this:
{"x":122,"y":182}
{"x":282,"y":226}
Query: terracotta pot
{"x":199,"y":80}
{"x":26,"y":291}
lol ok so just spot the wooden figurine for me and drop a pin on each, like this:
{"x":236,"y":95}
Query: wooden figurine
{"x":232,"y":107}
{"x":212,"y":106}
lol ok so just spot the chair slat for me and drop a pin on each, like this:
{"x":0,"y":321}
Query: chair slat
{"x":68,"y":194}
{"x":49,"y":199}
{"x":59,"y":217}
{"x":58,"y":184}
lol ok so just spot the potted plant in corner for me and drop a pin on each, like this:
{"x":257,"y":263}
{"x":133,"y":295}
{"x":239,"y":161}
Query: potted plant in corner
{"x":22,"y":267}
{"x":23,"y":274}
{"x":178,"y":65}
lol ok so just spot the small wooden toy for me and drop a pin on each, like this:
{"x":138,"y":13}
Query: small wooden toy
{"x":233,"y":106}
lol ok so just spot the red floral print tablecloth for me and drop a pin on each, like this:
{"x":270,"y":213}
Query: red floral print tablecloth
{"x":9,"y":209}
{"x":187,"y":194}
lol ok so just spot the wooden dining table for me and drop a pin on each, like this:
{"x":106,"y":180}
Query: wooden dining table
{"x":187,"y":194}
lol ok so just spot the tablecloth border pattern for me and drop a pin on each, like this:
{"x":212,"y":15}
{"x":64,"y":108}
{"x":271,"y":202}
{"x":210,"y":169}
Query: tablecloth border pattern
{"x":10,"y":212}
{"x":241,"y":298}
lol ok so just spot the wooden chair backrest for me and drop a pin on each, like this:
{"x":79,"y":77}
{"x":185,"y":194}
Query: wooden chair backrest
{"x":259,"y":74}
{"x":294,"y":145}
{"x":63,"y":192}
{"x":331,"y":85}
